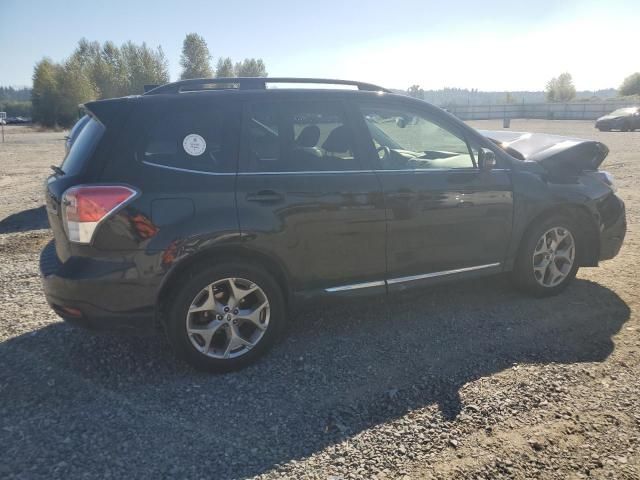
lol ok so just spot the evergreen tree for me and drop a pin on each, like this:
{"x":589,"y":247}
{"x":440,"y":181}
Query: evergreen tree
{"x":195,"y":58}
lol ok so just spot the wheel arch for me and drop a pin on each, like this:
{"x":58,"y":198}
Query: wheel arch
{"x":214,"y":255}
{"x":587,"y":230}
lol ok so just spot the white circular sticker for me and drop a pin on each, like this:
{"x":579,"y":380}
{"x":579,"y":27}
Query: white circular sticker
{"x":194,"y":145}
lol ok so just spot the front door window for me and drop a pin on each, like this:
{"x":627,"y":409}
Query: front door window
{"x":408,"y":141}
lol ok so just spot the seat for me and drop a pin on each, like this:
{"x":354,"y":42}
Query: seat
{"x":308,"y":137}
{"x":338,"y":141}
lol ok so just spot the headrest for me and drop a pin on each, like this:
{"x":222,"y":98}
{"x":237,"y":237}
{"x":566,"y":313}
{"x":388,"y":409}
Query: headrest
{"x":338,"y":140}
{"x":309,"y":136}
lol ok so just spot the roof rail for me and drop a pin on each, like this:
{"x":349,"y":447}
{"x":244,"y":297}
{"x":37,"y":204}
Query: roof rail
{"x":253,"y":83}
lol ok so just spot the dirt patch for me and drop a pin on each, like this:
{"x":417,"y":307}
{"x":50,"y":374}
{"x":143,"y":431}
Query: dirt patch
{"x":28,"y":242}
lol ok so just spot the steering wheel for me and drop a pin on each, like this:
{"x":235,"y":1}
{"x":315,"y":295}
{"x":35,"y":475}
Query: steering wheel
{"x":384,"y":153}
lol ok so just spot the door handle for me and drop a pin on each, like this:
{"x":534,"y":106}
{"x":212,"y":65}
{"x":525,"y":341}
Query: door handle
{"x":265,"y":196}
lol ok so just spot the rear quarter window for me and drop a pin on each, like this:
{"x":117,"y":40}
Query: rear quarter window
{"x":83,"y":147}
{"x":187,"y":137}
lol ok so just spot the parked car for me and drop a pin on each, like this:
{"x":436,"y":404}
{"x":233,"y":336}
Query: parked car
{"x":623,"y":119}
{"x":18,"y":120}
{"x":208,"y":212}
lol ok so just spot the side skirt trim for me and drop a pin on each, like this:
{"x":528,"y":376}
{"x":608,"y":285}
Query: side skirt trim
{"x":392,"y":281}
{"x":440,"y":274}
{"x":356,"y":286}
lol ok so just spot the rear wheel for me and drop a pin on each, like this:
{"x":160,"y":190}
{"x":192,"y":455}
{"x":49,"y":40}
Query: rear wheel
{"x":225,"y":317}
{"x":547,"y":261}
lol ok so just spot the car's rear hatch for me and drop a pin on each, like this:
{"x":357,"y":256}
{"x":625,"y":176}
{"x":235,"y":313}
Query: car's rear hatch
{"x":83,"y":162}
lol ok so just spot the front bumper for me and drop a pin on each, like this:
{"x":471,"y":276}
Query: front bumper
{"x":613,"y":228}
{"x":97,"y":294}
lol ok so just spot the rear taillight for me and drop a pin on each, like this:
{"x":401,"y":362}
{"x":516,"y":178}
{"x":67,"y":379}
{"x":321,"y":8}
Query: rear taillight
{"x":84,"y":207}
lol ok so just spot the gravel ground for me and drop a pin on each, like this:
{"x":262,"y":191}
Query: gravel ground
{"x":472,"y":380}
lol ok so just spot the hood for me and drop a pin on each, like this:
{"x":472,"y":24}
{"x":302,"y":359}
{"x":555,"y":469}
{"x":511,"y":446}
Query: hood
{"x":556,"y":153}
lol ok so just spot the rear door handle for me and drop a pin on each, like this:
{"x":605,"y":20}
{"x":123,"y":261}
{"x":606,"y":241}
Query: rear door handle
{"x":265,"y":196}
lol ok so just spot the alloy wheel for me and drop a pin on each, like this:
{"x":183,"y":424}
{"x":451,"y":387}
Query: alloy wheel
{"x":553,"y":257}
{"x":228,"y":318}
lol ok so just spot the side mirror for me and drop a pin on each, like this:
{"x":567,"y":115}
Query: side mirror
{"x":401,"y":122}
{"x":486,"y":159}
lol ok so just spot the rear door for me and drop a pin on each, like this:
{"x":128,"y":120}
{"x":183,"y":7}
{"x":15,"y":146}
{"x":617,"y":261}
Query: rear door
{"x":445,"y":215}
{"x":308,"y":197}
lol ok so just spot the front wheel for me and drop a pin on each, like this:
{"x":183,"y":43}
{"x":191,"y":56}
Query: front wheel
{"x":547,"y":261}
{"x":225,"y":317}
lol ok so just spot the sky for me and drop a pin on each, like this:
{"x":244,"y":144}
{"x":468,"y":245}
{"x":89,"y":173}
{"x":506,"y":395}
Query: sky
{"x":492,"y":45}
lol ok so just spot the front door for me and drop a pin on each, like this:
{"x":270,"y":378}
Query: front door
{"x":444,"y":214}
{"x":306,"y":196}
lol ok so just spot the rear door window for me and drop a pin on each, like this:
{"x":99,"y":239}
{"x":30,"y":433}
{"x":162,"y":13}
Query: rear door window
{"x":83,"y":147}
{"x":299,"y":137}
{"x":188,"y":137}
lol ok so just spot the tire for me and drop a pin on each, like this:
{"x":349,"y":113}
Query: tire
{"x":533,"y":252}
{"x":205,"y":304}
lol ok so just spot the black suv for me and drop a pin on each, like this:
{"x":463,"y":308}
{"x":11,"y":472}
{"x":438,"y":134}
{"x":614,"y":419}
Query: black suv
{"x":207,"y":207}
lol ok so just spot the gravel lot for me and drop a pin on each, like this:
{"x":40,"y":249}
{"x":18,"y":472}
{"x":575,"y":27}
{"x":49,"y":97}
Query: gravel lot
{"x":471,"y":380}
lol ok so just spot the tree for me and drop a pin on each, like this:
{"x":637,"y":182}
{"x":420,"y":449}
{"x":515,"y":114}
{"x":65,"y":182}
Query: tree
{"x":91,"y":72}
{"x":16,"y":109}
{"x":74,"y":88}
{"x":416,"y":92}
{"x":143,"y":66}
{"x":224,"y":68}
{"x":195,"y":58}
{"x":15,"y":94}
{"x":251,"y":67}
{"x":108,"y":72}
{"x":45,"y":96}
{"x":85,"y":53}
{"x":561,"y":88}
{"x":630,"y":85}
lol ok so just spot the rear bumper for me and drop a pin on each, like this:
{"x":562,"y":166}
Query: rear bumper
{"x":613,"y":228}
{"x":97,"y":294}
